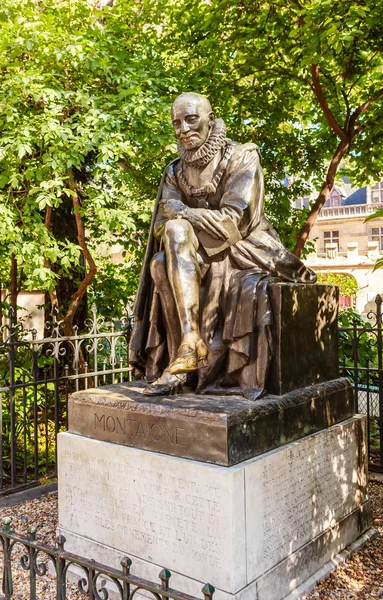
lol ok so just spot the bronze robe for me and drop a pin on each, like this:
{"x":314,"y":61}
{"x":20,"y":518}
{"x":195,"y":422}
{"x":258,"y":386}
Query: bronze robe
{"x":235,"y":314}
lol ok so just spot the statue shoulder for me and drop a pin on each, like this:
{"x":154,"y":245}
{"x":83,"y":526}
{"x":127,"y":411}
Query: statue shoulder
{"x":247,"y":149}
{"x":170,"y":169}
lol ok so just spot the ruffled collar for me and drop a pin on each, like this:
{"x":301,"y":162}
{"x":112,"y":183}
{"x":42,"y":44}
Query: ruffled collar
{"x":203,"y":155}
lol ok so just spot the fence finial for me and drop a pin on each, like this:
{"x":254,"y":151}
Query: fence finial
{"x":32,"y":530}
{"x":165,"y":576}
{"x":208,"y":591}
{"x":7,"y":524}
{"x":126,"y":563}
{"x":60,"y":541}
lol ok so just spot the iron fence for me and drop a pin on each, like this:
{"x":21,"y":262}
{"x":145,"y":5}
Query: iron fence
{"x":361,"y":359}
{"x":96,"y":582}
{"x":36,"y":377}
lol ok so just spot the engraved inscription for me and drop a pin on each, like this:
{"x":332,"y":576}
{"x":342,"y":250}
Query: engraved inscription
{"x":306,"y":491}
{"x":144,"y":510}
{"x":135,"y":430}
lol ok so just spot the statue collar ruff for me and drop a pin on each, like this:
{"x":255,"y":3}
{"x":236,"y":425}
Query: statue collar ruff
{"x":203,"y":155}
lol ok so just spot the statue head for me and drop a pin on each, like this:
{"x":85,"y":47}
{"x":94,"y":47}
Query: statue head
{"x":192,"y":118}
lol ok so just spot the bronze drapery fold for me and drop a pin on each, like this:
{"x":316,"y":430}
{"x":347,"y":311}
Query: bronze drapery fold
{"x":235,"y":313}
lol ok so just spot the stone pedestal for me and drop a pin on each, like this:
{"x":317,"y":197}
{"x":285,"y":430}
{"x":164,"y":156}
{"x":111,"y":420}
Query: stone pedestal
{"x":255,"y":530}
{"x":252,"y":497}
{"x":305,"y":336}
{"x":220,"y":429}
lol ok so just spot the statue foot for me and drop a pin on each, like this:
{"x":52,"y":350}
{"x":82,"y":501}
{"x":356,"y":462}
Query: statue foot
{"x":167,"y":384}
{"x":189,"y":358}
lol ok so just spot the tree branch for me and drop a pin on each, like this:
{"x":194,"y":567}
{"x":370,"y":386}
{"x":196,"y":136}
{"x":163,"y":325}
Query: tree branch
{"x":301,"y":20}
{"x":323,"y":104}
{"x":342,"y":149}
{"x":362,"y":108}
{"x":366,"y":105}
{"x":281,"y":71}
{"x":13,"y":285}
{"x":48,"y":223}
{"x":363,"y":73}
{"x":348,"y":111}
{"x":48,"y":218}
{"x":327,"y":186}
{"x":78,"y":295}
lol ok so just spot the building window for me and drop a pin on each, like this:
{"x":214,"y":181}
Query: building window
{"x":331,"y":237}
{"x":345,"y":301}
{"x":377,"y":193}
{"x":377,"y":236}
{"x":303,"y":202}
{"x":334,"y":199}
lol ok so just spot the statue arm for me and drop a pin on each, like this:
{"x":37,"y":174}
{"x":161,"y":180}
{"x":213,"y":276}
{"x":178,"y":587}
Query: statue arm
{"x":172,"y":206}
{"x":171,"y":202}
{"x":242,"y":200}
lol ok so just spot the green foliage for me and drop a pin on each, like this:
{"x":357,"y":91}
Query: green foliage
{"x":262,"y":57}
{"x":114,"y":287}
{"x":374,"y":434}
{"x":256,"y":61}
{"x":27,"y":402}
{"x":362,"y":353}
{"x":82,"y":94}
{"x":85,"y":93}
{"x":346,"y":283}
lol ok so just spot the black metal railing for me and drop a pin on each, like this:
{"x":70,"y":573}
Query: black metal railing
{"x":36,"y":377}
{"x":361,"y":359}
{"x":96,"y":582}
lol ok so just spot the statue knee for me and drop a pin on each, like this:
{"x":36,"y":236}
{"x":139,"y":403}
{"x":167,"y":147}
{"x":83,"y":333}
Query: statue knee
{"x":178,"y":230}
{"x":158,"y":267}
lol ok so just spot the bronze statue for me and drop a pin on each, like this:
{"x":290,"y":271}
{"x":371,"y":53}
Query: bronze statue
{"x":202,"y":308}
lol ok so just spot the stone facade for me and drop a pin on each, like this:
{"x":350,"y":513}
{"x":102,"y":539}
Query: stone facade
{"x":345,"y":243}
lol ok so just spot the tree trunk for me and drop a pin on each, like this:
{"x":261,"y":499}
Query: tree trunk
{"x":327,"y":186}
{"x":1,"y":312}
{"x":13,"y":285}
{"x":79,"y":294}
{"x":62,"y":223}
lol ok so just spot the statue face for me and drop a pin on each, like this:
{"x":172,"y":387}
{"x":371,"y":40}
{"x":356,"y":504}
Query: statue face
{"x":192,"y":121}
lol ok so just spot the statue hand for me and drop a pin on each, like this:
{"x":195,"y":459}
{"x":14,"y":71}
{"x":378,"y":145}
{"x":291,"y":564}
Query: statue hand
{"x":171,"y":208}
{"x":207,"y":220}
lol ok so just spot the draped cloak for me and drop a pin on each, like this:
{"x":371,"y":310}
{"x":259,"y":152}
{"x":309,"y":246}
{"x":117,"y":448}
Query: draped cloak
{"x":235,"y":313}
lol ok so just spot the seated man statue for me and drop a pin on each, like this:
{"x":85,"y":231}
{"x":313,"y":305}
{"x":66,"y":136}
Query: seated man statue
{"x":202,"y":311}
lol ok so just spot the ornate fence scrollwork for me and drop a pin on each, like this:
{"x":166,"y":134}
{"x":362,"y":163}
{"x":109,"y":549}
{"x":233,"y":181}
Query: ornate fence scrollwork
{"x":36,"y":377}
{"x":97,"y":581}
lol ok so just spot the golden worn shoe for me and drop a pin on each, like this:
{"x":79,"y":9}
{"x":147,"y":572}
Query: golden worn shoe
{"x":189,"y":358}
{"x":167,"y":384}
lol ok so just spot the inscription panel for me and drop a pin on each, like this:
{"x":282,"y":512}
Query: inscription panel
{"x":175,"y":513}
{"x":227,"y":526}
{"x":295,"y":495}
{"x":170,"y":435}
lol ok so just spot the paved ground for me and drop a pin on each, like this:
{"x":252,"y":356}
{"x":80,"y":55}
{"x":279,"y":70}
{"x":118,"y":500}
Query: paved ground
{"x":361,"y":578}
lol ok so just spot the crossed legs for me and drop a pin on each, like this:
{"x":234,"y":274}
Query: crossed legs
{"x":177,"y":277}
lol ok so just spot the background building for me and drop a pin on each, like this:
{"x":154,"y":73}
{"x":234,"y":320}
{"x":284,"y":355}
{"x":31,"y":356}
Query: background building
{"x":345,"y":243}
